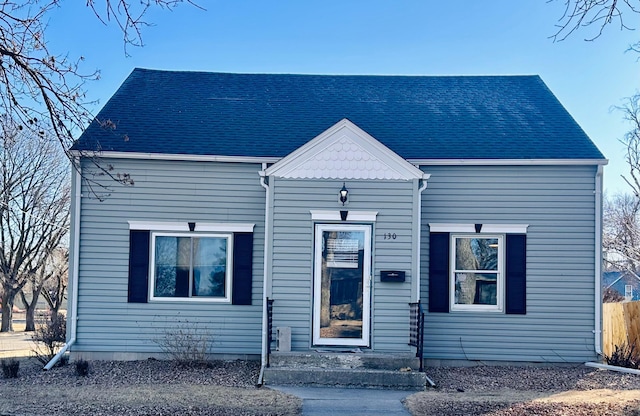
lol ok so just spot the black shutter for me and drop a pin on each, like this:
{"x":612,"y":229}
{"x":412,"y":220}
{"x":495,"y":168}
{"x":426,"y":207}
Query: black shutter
{"x":242,"y":268}
{"x":516,"y":274}
{"x":439,"y":272}
{"x":138,"y":266}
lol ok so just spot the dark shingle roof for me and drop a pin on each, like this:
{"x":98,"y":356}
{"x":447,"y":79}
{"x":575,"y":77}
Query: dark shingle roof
{"x":270,"y":115}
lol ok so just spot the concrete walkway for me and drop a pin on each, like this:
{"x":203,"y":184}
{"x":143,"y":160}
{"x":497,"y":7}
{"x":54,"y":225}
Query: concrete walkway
{"x":330,"y":401}
{"x":16,"y":344}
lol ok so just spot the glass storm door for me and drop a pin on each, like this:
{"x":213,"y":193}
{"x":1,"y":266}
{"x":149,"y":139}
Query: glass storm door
{"x":341,"y":284}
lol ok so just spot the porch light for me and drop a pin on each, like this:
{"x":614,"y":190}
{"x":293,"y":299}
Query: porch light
{"x":344,"y":193}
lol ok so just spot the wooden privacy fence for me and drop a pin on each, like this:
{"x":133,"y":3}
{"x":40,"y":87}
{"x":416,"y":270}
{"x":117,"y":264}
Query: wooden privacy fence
{"x":620,"y":325}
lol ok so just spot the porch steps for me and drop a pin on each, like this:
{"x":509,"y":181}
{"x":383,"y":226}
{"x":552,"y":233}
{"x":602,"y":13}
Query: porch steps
{"x":346,"y":369}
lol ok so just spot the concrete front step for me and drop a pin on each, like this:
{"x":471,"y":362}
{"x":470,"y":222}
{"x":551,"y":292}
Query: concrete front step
{"x":371,"y":370}
{"x":344,"y":360}
{"x":285,"y":376}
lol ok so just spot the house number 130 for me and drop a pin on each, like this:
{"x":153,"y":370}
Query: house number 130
{"x":390,"y":236}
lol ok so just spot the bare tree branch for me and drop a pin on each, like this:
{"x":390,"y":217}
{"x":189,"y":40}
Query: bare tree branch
{"x":129,"y":19}
{"x":34,"y":211}
{"x":580,"y":14}
{"x":621,"y":219}
{"x":43,"y":91}
{"x":631,"y":113}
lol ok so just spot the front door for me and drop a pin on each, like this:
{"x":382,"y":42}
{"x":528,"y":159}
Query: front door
{"x":341,"y":284}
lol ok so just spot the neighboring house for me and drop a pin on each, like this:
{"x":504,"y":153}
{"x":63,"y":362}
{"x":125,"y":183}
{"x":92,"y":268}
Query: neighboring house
{"x":627,"y":285}
{"x":344,"y":199}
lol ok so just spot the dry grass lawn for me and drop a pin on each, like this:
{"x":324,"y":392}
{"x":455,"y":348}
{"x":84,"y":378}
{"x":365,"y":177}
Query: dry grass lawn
{"x":143,"y":388}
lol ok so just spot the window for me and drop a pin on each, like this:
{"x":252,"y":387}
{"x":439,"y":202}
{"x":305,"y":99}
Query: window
{"x":628,"y":292}
{"x":178,"y":261}
{"x":485,"y":263}
{"x":187,"y":266}
{"x":477,"y":276}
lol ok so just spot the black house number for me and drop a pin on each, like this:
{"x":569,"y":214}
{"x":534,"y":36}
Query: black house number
{"x":390,"y":236}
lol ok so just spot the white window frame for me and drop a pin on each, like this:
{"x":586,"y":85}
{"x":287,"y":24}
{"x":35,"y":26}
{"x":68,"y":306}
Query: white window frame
{"x":628,"y":292}
{"x":500,"y":279}
{"x":205,"y":299}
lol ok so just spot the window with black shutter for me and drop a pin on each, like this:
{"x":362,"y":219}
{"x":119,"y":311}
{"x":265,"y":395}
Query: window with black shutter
{"x":477,"y":271}
{"x":194,"y":266}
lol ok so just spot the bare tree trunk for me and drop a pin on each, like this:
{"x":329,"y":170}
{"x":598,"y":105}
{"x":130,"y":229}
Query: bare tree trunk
{"x":30,"y":318}
{"x":7,"y":310}
{"x":31,"y":308}
{"x":56,"y":301}
{"x":54,"y":288}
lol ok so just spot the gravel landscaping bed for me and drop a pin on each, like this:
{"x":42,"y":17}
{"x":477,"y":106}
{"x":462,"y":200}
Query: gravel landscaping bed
{"x":148,"y":387}
{"x":155,"y":387}
{"x":502,"y":391}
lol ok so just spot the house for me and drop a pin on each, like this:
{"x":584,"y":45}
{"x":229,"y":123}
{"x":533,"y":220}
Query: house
{"x":343,"y":199}
{"x":625,"y":284}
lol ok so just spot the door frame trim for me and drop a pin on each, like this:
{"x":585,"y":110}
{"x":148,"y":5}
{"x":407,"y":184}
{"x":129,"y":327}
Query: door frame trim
{"x":365,"y":341}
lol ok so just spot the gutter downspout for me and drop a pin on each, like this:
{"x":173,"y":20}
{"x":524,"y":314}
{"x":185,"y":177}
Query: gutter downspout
{"x":598,"y":263}
{"x":73,"y":269}
{"x":425,"y":176}
{"x":265,"y":321}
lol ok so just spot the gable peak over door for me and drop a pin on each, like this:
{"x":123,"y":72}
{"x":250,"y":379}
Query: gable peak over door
{"x":344,"y":151}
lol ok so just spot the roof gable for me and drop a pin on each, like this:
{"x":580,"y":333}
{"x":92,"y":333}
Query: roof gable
{"x":344,"y":151}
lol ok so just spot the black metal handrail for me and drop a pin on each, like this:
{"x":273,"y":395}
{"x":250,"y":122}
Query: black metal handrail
{"x":416,"y":330}
{"x":269,"y":327}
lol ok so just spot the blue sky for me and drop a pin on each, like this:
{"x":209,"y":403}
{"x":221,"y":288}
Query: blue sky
{"x":421,"y":37}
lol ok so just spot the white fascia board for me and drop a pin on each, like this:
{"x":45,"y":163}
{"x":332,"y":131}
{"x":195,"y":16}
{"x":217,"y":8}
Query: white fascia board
{"x":471,"y":228}
{"x":171,"y":156}
{"x":330,"y":215}
{"x":272,"y":160}
{"x":507,"y":162}
{"x":184,"y":226}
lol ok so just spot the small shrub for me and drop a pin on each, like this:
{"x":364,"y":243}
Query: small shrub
{"x":82,"y":368}
{"x":64,"y":360}
{"x":10,"y":368}
{"x":49,"y":337}
{"x":624,"y":355}
{"x":186,"y":343}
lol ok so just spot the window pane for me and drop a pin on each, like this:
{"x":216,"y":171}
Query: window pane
{"x":172,"y":260}
{"x":210,"y":266}
{"x":476,"y":288}
{"x":476,"y":254}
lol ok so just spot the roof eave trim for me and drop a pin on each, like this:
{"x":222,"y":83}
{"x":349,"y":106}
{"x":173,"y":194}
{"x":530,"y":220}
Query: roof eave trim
{"x":510,"y":162}
{"x":273,"y":159}
{"x":171,"y":156}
